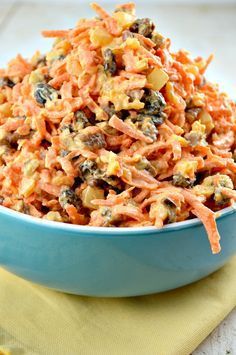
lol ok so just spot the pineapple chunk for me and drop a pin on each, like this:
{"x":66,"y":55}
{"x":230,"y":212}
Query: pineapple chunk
{"x":113,"y":165}
{"x":206,"y":119}
{"x":158,"y":78}
{"x":198,"y":99}
{"x":131,"y":43}
{"x":6,"y":110}
{"x":99,"y":37}
{"x":27,"y":187}
{"x":36,"y":77}
{"x":158,"y":210}
{"x":53,"y":216}
{"x":142,"y":64}
{"x":62,"y":180}
{"x":124,"y":19}
{"x":91,"y":193}
{"x":3,"y":134}
{"x":183,"y":142}
{"x":198,"y":127}
{"x":30,"y":166}
{"x":186,"y":168}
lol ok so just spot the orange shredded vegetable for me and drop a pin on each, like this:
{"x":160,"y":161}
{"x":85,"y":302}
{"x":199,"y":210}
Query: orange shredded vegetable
{"x":113,"y":128}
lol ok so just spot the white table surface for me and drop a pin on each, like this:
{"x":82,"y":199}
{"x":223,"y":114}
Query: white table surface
{"x":202,"y":29}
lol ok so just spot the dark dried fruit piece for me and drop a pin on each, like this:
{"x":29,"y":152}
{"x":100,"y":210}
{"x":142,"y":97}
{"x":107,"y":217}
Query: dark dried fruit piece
{"x":143,"y":26}
{"x":180,"y":180}
{"x":41,"y":62}
{"x":158,"y":39}
{"x":81,"y":120}
{"x":217,"y":183}
{"x":68,"y":196}
{"x":6,"y":82}
{"x":89,"y":172}
{"x":110,"y":110}
{"x":157,"y":120}
{"x":154,"y":102}
{"x":147,"y":126}
{"x":145,"y":164}
{"x":68,"y":128}
{"x":87,"y":167}
{"x":109,"y":61}
{"x":191,"y":114}
{"x":172,"y":209}
{"x":93,"y":141}
{"x":106,"y":212}
{"x":44,"y":92}
{"x":127,"y":34}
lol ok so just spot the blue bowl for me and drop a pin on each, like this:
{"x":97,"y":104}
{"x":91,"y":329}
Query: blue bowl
{"x":111,"y":261}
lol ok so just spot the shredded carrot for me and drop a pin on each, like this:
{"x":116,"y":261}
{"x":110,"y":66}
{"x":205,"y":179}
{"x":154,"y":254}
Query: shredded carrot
{"x":208,"y":219}
{"x":109,"y":21}
{"x":113,"y":128}
{"x":55,"y":33}
{"x":125,"y":128}
{"x":75,"y":217}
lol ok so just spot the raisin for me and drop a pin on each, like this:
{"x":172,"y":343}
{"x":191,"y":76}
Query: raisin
{"x":171,"y":207}
{"x":143,"y":26}
{"x":169,"y":203}
{"x":127,"y":34}
{"x":158,"y":39}
{"x":191,"y":114}
{"x":68,"y":196}
{"x":110,"y":110}
{"x":157,"y":120}
{"x":6,"y":82}
{"x":180,"y":180}
{"x":81,"y":120}
{"x":41,"y":62}
{"x":109,"y":62}
{"x":89,"y":172}
{"x":147,"y":126}
{"x":93,"y":141}
{"x":154,"y":102}
{"x":44,"y":92}
{"x":145,"y":164}
{"x":67,"y":127}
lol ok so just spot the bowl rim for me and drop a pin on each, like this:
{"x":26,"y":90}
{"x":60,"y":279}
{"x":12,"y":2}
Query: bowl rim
{"x":106,"y":231}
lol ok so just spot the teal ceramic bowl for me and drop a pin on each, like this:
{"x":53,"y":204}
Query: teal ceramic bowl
{"x":111,"y":261}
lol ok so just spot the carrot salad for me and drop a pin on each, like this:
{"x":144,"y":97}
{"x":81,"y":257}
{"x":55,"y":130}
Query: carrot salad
{"x":111,"y":128}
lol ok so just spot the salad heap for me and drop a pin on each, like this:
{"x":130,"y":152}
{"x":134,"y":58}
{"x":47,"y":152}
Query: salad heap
{"x":111,"y":128}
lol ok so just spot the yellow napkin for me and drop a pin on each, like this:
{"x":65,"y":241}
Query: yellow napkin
{"x":35,"y":320}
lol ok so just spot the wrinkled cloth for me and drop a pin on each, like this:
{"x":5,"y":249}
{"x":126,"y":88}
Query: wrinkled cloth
{"x":36,"y":320}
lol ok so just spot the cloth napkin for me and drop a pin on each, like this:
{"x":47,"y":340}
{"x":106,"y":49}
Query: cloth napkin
{"x":35,"y":320}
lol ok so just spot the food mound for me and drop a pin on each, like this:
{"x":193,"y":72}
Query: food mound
{"x":111,"y":128}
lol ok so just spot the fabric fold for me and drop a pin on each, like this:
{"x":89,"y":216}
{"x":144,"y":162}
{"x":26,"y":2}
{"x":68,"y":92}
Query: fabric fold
{"x":35,"y":320}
